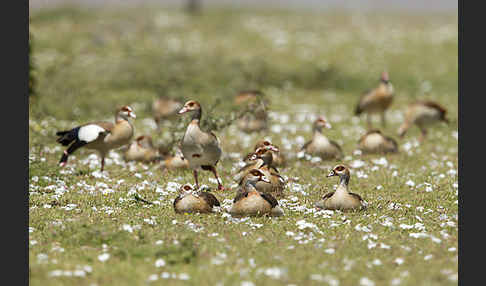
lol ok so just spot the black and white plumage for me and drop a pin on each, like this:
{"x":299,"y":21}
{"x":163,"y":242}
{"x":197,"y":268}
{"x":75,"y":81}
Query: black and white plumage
{"x":101,"y":136}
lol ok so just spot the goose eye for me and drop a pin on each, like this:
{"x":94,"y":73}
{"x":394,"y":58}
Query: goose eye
{"x":187,"y":188}
{"x":340,"y":168}
{"x":266,"y":143}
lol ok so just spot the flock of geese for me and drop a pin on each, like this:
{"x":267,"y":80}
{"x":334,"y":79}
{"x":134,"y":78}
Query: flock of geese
{"x":259,"y":181}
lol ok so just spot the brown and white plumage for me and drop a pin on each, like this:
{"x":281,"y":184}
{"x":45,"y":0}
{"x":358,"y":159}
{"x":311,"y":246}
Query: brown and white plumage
{"x":341,"y":199}
{"x":375,"y":142}
{"x":190,"y":201}
{"x":165,"y":108}
{"x":422,"y":113}
{"x":201,"y":149}
{"x":176,"y":161}
{"x":276,"y":183}
{"x":250,"y":202}
{"x":320,"y":145}
{"x":377,"y":100}
{"x":278,"y":158}
{"x":142,"y":150}
{"x":253,"y":161}
{"x":100,"y":136}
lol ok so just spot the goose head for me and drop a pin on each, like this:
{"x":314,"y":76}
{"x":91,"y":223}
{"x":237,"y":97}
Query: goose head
{"x":190,"y":106}
{"x":342,"y":172}
{"x":320,"y":123}
{"x":264,"y":153}
{"x":384,"y":77}
{"x":125,"y":112}
{"x":255,"y":176}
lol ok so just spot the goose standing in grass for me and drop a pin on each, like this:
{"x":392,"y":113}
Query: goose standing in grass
{"x":377,"y":100}
{"x":278,"y":158}
{"x":422,"y":114}
{"x":142,"y":150}
{"x":341,"y":199}
{"x":165,"y":108}
{"x":190,"y":201}
{"x":256,"y":120}
{"x":100,"y":136}
{"x":320,"y":145}
{"x":201,"y":149}
{"x":250,"y":202}
{"x":375,"y":142}
{"x":276,"y":184}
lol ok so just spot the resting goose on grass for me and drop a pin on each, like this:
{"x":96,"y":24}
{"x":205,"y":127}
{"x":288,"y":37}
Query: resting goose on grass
{"x":142,"y":150}
{"x":100,"y":136}
{"x":190,"y":201}
{"x":201,"y":149}
{"x":375,"y":142}
{"x":165,"y":108}
{"x":320,"y":145}
{"x":278,"y":158}
{"x":250,"y":202}
{"x":341,"y":199}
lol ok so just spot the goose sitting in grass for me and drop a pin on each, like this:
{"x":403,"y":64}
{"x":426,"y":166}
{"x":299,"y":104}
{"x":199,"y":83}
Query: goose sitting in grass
{"x":422,"y":114}
{"x":201,"y":149}
{"x":142,"y":150}
{"x":100,"y":136}
{"x":278,"y":158}
{"x":165,"y":108}
{"x":375,"y":142}
{"x":190,"y":201}
{"x":341,"y":199}
{"x":276,"y":184}
{"x":320,"y":145}
{"x":250,"y":202}
{"x":255,"y":162}
{"x":172,"y":162}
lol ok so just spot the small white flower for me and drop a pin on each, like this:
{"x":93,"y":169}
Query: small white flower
{"x":428,"y":257}
{"x":153,"y":277}
{"x":247,"y":283}
{"x":365,"y":281}
{"x":399,"y":261}
{"x":410,"y":183}
{"x":159,"y":262}
{"x":103,"y":257}
{"x":184,"y":276}
{"x":329,"y":251}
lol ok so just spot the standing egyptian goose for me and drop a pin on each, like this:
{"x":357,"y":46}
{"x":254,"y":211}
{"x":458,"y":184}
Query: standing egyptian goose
{"x":375,"y":142}
{"x":276,"y":184}
{"x":341,"y":199}
{"x":320,"y":145}
{"x":253,"y":161}
{"x":278,"y":159}
{"x":422,"y":114}
{"x":256,"y":120}
{"x":190,"y":201}
{"x":101,"y":136}
{"x":250,"y":202}
{"x":201,"y":149}
{"x":165,"y":108}
{"x":142,"y":150}
{"x":377,"y":100}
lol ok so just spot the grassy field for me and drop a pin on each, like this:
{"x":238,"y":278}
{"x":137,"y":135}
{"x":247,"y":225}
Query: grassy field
{"x":85,"y":228}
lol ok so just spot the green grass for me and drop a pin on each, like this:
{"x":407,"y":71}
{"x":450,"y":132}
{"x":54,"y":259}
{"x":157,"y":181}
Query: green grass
{"x":88,"y":62}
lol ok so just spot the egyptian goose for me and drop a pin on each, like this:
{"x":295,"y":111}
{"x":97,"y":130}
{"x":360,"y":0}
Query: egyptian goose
{"x":201,"y":149}
{"x":374,"y":141}
{"x":142,"y":150}
{"x":165,"y":108}
{"x":256,"y":120}
{"x":376,"y":100}
{"x":341,"y":199}
{"x":176,"y":161}
{"x":250,"y":202}
{"x":190,"y":201}
{"x":101,"y":136}
{"x":278,"y":158}
{"x":255,"y":162}
{"x":276,"y":183}
{"x":422,"y":114}
{"x":320,"y":145}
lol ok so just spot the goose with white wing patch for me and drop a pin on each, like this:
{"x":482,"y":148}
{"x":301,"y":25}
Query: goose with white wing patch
{"x":100,"y":136}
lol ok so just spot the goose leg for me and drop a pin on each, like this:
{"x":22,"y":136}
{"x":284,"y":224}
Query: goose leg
{"x":69,"y":151}
{"x":220,"y":186}
{"x":383,"y":119}
{"x":195,"y":177}
{"x":102,"y":163}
